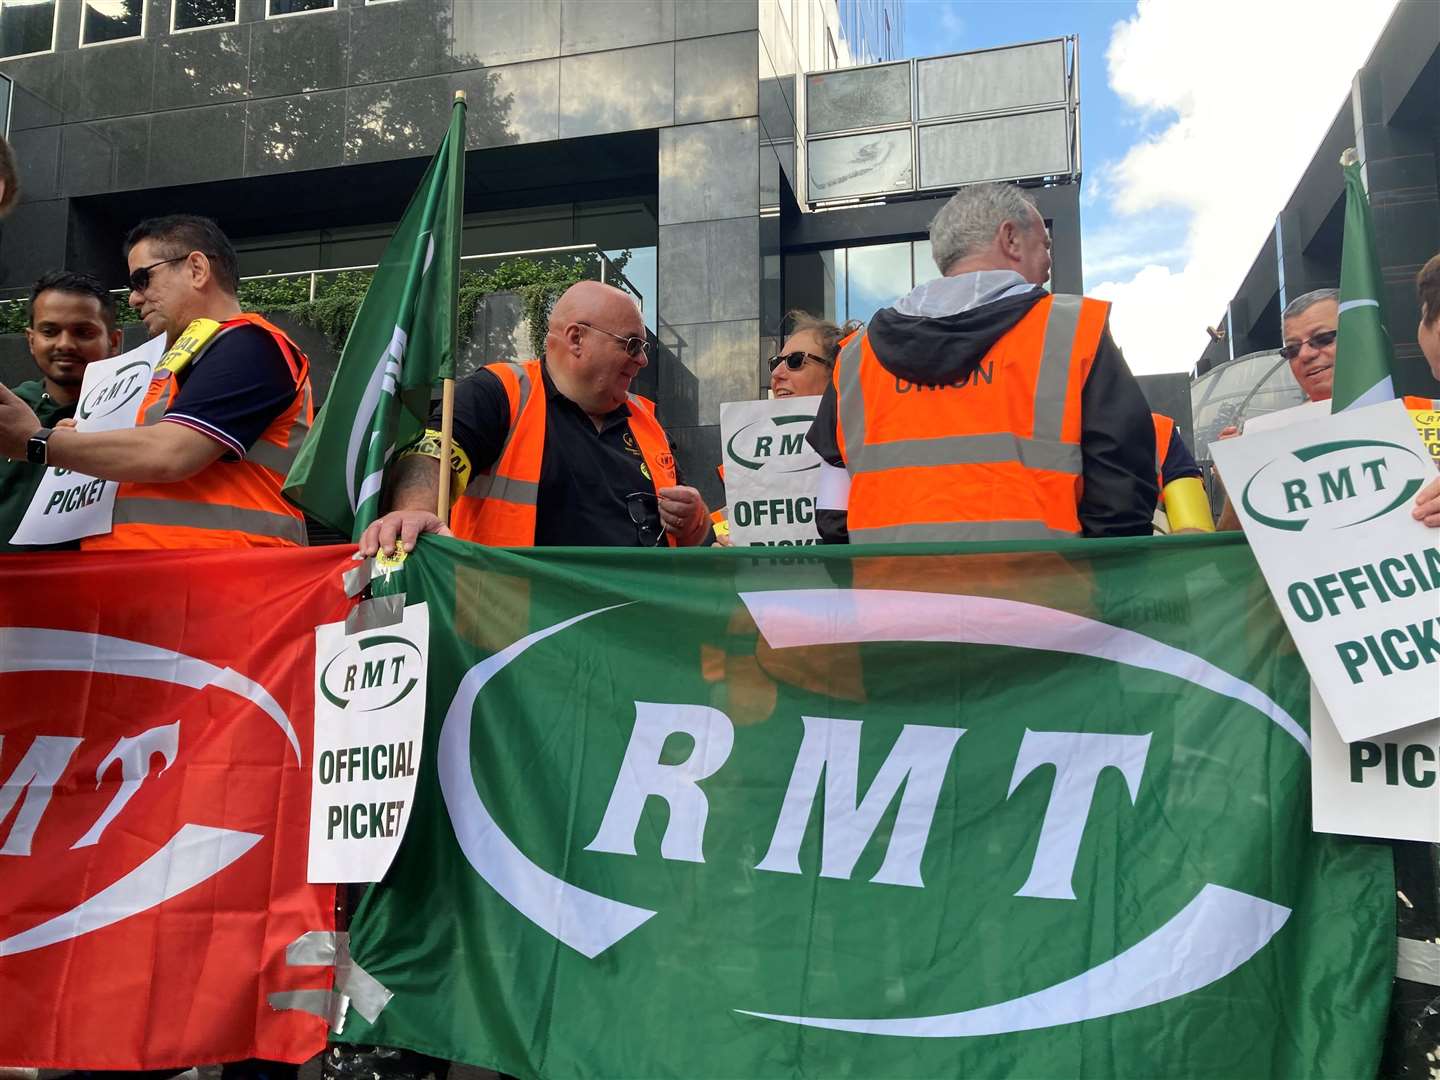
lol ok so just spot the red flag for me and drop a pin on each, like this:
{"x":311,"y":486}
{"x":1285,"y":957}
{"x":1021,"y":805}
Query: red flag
{"x":155,"y":732}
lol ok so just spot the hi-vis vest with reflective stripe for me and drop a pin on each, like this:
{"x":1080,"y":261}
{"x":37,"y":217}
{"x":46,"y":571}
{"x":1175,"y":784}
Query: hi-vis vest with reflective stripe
{"x":228,"y":503}
{"x":498,"y":506}
{"x":995,"y":458}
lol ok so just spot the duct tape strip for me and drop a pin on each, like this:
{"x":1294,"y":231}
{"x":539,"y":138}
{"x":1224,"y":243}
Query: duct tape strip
{"x":376,"y":612}
{"x":363,"y":990}
{"x":353,"y":984}
{"x":312,"y":949}
{"x":1418,"y":961}
{"x":358,"y":576}
{"x":321,"y":1003}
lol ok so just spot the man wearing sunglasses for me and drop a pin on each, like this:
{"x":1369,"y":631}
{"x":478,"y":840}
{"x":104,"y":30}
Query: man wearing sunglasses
{"x":553,"y":452}
{"x":222,"y":420}
{"x":981,"y":406}
{"x":1310,"y":325}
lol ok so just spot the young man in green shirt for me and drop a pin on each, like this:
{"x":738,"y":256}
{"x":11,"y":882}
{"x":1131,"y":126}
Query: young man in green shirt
{"x":72,"y":324}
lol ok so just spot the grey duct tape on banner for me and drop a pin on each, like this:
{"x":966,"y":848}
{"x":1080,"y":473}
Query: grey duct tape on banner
{"x":1418,"y":961}
{"x":376,"y":612}
{"x":353,"y":984}
{"x":358,"y":576}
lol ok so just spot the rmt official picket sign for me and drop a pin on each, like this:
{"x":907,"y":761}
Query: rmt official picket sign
{"x":1326,"y":508}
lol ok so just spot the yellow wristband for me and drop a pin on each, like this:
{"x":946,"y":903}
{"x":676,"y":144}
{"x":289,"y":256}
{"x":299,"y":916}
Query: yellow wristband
{"x":1187,"y":506}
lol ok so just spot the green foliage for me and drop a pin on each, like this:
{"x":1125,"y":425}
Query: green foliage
{"x":337,"y":298}
{"x":15,"y":315}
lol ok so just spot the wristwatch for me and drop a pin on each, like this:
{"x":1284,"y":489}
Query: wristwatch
{"x":37,"y":448}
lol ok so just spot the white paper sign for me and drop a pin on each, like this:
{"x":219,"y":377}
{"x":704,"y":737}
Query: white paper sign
{"x":1296,"y":414}
{"x":771,"y":473}
{"x":1388,"y":786}
{"x":369,"y":719}
{"x":1326,"y":507}
{"x":68,"y":505}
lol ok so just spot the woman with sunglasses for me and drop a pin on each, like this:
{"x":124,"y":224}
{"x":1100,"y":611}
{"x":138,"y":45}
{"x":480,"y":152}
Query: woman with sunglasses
{"x":802,"y":367}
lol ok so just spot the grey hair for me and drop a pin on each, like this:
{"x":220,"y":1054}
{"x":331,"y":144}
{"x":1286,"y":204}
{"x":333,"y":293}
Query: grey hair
{"x":967,"y":224}
{"x":1302,"y":304}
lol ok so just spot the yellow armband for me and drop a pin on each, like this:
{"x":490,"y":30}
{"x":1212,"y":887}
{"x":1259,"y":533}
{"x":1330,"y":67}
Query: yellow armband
{"x":428,"y":445}
{"x":191,"y":341}
{"x":1187,"y":506}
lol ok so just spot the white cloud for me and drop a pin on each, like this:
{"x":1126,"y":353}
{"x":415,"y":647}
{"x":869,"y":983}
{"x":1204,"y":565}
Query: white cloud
{"x":1235,"y":96}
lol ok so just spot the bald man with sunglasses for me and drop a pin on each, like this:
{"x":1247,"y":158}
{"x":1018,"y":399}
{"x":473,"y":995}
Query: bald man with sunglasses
{"x":555,"y":451}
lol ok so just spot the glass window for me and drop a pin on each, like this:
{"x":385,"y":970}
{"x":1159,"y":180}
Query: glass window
{"x":877,"y":276}
{"x":190,"y":14}
{"x":852,"y":165}
{"x":112,"y":20}
{"x":295,"y":7}
{"x":998,"y":148}
{"x":923,"y":264}
{"x":857,"y":98}
{"x":26,"y":26}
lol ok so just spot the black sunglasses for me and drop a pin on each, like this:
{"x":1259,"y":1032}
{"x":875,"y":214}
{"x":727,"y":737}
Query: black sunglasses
{"x":634,"y":346}
{"x":139,"y":279}
{"x":796,"y":360}
{"x":644,"y":510}
{"x":1319,"y":341}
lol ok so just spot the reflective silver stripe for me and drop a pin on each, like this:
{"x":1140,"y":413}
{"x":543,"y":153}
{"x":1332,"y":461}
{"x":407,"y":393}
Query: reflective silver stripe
{"x":275,"y":458}
{"x":971,"y":450}
{"x":195,"y":515}
{"x":922,"y":532}
{"x":506,"y":489}
{"x":1054,"y":377}
{"x":159,"y":406}
{"x":852,"y":400}
{"x":833,"y":490}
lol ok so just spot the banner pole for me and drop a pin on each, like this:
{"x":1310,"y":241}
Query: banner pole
{"x":447,"y":425}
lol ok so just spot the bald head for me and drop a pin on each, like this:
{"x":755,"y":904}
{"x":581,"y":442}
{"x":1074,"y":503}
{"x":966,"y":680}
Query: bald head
{"x":594,"y":302}
{"x":586,"y":349}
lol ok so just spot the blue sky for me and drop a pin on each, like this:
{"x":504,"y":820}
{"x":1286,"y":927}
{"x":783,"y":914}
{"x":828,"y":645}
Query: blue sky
{"x":1186,"y":161}
{"x":1108,"y":126}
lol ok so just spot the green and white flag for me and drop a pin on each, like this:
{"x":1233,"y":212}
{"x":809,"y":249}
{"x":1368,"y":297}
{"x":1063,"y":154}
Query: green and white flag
{"x":1021,"y":811}
{"x":1362,"y":349}
{"x":402,"y":343}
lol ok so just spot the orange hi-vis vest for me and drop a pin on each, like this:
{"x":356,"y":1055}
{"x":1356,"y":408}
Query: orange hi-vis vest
{"x":498,"y":506}
{"x":1164,"y":428}
{"x":994,"y":457}
{"x":227,"y":504}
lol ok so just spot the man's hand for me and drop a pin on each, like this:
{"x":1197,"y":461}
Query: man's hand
{"x":406,"y":525}
{"x":1228,"y":432}
{"x":683,"y":513}
{"x":1427,"y":504}
{"x":17,"y":423}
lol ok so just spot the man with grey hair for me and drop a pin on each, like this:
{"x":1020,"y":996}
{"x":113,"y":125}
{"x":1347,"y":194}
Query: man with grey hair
{"x":1309,"y":325}
{"x":982,"y":407}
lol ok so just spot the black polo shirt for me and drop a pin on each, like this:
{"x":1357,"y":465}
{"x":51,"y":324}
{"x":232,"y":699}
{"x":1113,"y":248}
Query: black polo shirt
{"x":586,"y":475}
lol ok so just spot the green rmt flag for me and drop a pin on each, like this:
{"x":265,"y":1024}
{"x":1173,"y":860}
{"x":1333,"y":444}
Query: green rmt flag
{"x":402,"y":343}
{"x":1362,"y":350}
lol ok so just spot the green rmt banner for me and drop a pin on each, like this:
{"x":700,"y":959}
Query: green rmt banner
{"x":1011,"y":811}
{"x":402,"y":343}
